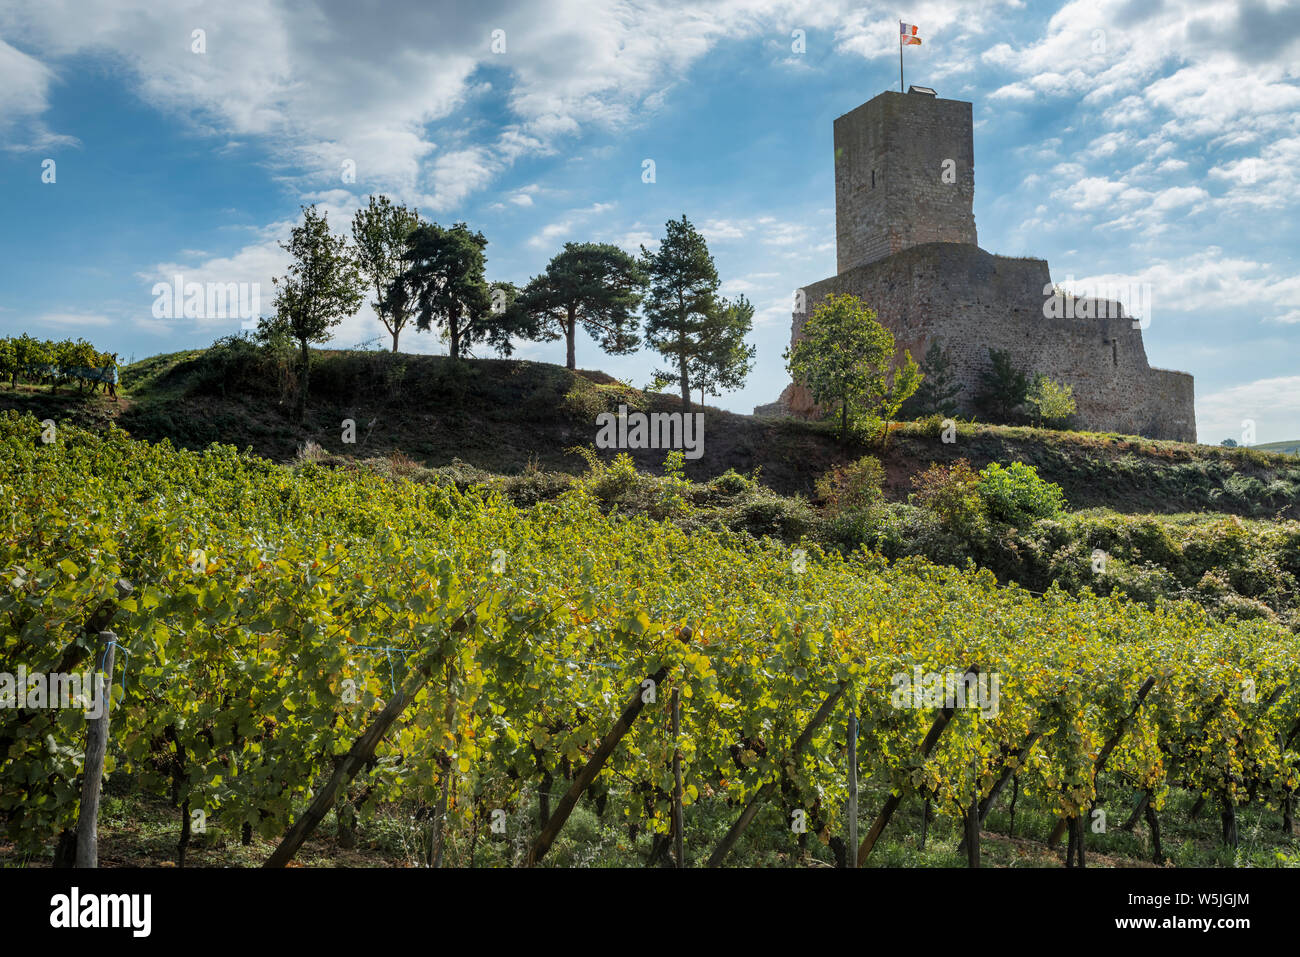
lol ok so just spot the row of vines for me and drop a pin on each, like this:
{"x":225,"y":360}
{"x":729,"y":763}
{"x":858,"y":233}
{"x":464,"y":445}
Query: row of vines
{"x":304,"y":640}
{"x":55,"y":361}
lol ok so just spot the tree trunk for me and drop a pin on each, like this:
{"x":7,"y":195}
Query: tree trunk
{"x":1229,"y":818}
{"x":571,"y":333}
{"x":686,"y":386}
{"x":679,"y":848}
{"x":972,"y":842}
{"x":396,"y":333}
{"x":183,"y":844}
{"x":1153,"y":822}
{"x":303,"y":380}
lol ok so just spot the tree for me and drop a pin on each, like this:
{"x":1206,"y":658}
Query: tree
{"x":845,"y":357}
{"x":897,"y":386}
{"x":1229,"y":443}
{"x":937,"y":394}
{"x":380,"y":231}
{"x":1003,"y":387}
{"x":444,"y":280}
{"x":595,"y":285}
{"x":683,"y":288}
{"x":1052,"y":403}
{"x":724,"y":360}
{"x":323,"y":285}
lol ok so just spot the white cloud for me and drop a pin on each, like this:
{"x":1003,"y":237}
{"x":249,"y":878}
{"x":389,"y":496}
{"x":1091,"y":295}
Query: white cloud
{"x":1272,"y":404}
{"x":561,"y":230}
{"x":26,"y":85}
{"x":1210,"y":282}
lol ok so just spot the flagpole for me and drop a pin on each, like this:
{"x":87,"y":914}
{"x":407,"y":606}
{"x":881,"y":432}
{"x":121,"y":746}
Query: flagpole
{"x":900,"y":57}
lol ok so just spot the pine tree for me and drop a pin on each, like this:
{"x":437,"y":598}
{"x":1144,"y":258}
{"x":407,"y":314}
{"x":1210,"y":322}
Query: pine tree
{"x":1003,"y":388}
{"x":444,"y":283}
{"x":724,"y":360}
{"x":593,"y":285}
{"x":939,"y":389}
{"x":682,"y":295}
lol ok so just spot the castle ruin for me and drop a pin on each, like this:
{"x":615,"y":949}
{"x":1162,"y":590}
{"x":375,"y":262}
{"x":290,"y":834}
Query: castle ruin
{"x":906,"y":246}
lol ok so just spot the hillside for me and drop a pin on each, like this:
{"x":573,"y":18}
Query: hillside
{"x":508,"y":416}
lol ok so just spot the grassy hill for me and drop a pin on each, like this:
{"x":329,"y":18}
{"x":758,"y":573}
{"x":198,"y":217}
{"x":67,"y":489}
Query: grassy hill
{"x":508,"y":417}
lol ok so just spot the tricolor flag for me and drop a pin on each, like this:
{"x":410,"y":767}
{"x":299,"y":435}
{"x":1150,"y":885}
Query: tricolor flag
{"x":907,"y":33}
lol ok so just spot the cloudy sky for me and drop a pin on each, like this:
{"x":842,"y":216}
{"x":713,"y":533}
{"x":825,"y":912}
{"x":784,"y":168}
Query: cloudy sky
{"x":1124,"y":141}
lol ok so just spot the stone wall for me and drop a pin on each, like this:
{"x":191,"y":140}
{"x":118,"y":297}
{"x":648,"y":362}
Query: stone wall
{"x":890,"y":191}
{"x":973,"y":301}
{"x":906,"y":246}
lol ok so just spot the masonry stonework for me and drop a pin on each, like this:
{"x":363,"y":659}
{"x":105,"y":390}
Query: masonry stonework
{"x":907,"y":248}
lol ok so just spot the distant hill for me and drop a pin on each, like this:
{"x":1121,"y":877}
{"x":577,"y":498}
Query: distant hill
{"x":1283,"y":448}
{"x":507,"y":416}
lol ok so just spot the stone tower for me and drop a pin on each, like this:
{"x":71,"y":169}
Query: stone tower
{"x":906,"y":246}
{"x":904,"y":175}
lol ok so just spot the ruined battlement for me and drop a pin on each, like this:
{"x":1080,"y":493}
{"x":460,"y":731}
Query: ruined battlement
{"x":906,"y":246}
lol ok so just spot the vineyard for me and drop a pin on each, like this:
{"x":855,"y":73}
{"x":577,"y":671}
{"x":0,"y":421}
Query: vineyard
{"x":55,"y":362}
{"x":296,"y":644}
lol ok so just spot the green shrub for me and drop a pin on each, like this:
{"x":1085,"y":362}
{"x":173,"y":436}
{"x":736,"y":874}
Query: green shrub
{"x":951,"y":493}
{"x":1017,"y":496}
{"x":730,"y":484}
{"x":765,"y":513}
{"x":852,"y":487}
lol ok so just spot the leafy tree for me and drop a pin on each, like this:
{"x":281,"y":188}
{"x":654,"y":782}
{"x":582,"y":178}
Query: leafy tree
{"x":323,"y":285}
{"x":846,"y":357}
{"x":1052,"y":403}
{"x":897,"y":386}
{"x":683,"y":289}
{"x":1003,"y":387}
{"x":1017,"y":495}
{"x":444,"y":280}
{"x":595,"y":285}
{"x":724,"y":360}
{"x":1229,"y":443}
{"x":380,"y":231}
{"x":937,"y":394}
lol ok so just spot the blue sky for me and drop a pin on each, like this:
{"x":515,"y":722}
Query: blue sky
{"x":1122,"y":141}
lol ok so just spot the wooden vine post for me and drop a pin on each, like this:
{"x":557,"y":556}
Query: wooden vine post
{"x":631,"y":709}
{"x":851,"y":811}
{"x":679,"y":839}
{"x":1104,"y":755}
{"x":751,"y":809}
{"x":363,"y":749}
{"x":892,"y":802}
{"x":96,"y":748}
